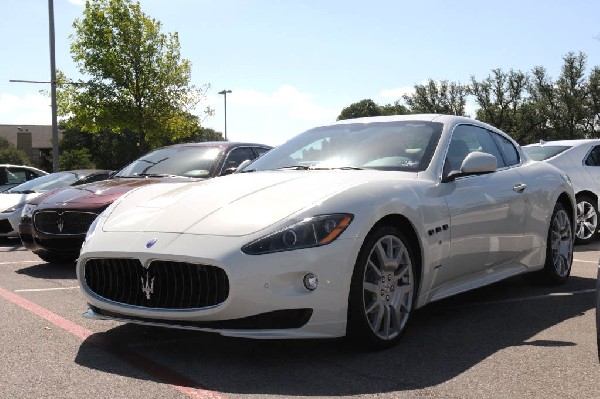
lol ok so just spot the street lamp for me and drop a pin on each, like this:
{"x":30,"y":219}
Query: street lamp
{"x":224,"y":93}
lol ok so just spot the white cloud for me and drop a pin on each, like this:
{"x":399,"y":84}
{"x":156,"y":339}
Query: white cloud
{"x":31,"y":109}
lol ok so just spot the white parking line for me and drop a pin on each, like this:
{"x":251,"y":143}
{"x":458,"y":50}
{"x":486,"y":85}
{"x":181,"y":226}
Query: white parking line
{"x":47,"y":289}
{"x":20,"y":261}
{"x":586,"y":261}
{"x":522,"y":299}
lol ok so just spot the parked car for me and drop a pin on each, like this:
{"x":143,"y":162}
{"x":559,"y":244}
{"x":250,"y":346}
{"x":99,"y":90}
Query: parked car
{"x":580,"y":159}
{"x":344,"y":229}
{"x":14,"y":199}
{"x":54,"y":225}
{"x":598,"y":312}
{"x":12,"y":175}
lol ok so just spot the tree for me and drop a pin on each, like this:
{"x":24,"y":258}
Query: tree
{"x":76,"y":159}
{"x":501,"y":98}
{"x":360,"y":109}
{"x":138,"y":82}
{"x":394,"y":109}
{"x":10,"y":154}
{"x":441,"y":97}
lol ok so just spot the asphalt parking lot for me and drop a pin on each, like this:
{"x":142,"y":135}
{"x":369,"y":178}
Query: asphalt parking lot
{"x":509,"y":340}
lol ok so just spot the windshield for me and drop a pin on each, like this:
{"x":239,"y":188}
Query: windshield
{"x":541,"y":153}
{"x":46,"y":183}
{"x":401,"y":146}
{"x":188,"y":161}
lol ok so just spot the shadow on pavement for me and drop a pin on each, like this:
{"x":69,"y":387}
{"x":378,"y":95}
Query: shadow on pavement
{"x":50,"y":271}
{"x":443,"y":340}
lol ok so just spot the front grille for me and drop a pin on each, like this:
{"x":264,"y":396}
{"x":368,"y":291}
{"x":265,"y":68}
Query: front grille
{"x":5,"y":226}
{"x":163,"y":285}
{"x":63,"y":222}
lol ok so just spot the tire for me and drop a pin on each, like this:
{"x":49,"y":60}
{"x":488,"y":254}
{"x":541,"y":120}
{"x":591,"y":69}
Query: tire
{"x":587,"y":219}
{"x":56,"y":258}
{"x":559,"y":247}
{"x":380,"y":304}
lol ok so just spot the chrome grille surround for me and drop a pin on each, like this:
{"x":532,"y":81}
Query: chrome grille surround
{"x":160,"y":285}
{"x":63,"y":222}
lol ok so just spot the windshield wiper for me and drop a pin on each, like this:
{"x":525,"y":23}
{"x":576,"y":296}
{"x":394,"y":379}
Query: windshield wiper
{"x":154,"y":175}
{"x":339,"y":168}
{"x":23,"y":192}
{"x":295,"y":167}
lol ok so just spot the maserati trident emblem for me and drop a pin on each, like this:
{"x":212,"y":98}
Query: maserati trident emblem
{"x":60,"y":223}
{"x":151,"y":242}
{"x":147,"y":285}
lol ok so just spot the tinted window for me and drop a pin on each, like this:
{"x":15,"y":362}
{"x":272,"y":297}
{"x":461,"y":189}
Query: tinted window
{"x":593,"y":159}
{"x":509,"y":152}
{"x":46,"y":182}
{"x":189,"y":161}
{"x":16,"y":175}
{"x":261,"y":151}
{"x":237,"y":156}
{"x":467,"y":139}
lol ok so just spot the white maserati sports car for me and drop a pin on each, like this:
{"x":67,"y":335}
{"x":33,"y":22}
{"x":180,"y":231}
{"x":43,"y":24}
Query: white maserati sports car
{"x":343,"y":230}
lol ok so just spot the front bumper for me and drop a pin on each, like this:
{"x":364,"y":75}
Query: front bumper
{"x":267,"y":297}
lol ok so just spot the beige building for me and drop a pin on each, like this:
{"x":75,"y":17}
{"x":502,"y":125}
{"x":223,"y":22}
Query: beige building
{"x":34,"y":140}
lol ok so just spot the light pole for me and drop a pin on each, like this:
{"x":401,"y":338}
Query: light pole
{"x":53,"y":87}
{"x":224,"y":93}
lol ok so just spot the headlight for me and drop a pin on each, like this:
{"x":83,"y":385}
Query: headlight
{"x":14,"y":208}
{"x":311,"y":232}
{"x":91,"y":230}
{"x":28,"y":211}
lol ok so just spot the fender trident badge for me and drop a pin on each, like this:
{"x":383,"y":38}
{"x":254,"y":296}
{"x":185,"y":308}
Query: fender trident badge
{"x":151,"y":242}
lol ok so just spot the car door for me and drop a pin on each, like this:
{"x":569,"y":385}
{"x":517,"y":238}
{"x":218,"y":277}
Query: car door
{"x":591,"y":165}
{"x":487,"y":211}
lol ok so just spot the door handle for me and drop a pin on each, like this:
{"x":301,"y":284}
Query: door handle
{"x":520,"y":187}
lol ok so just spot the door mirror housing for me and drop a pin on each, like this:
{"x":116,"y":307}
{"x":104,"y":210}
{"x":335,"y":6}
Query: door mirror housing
{"x":476,"y":163}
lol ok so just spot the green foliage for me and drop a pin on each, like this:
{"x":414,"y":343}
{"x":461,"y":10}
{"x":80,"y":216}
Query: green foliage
{"x":360,"y":109}
{"x":528,"y":106}
{"x":434,"y":97}
{"x":10,"y":154}
{"x":138,"y":84}
{"x":76,"y":159}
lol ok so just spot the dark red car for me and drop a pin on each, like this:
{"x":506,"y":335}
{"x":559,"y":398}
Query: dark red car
{"x":54,"y":224}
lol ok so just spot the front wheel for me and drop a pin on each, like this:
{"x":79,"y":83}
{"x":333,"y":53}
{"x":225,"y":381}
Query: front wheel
{"x":559,"y":248}
{"x":383,"y":287}
{"x":587,"y":219}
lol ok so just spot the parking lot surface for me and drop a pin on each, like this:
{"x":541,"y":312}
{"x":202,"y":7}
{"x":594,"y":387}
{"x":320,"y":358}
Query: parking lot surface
{"x":509,"y":340}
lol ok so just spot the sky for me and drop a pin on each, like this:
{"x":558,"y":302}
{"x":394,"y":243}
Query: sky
{"x":295,"y":64}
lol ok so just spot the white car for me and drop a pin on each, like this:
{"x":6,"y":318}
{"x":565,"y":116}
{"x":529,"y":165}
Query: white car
{"x":14,"y":199}
{"x":343,"y":230}
{"x":12,"y":175}
{"x":580,"y":159}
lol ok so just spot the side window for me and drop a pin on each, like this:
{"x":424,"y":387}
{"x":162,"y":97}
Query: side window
{"x":510,"y":153}
{"x":260,"y":151}
{"x":593,"y":159}
{"x":467,"y":139}
{"x":236,"y":157}
{"x":16,"y":175}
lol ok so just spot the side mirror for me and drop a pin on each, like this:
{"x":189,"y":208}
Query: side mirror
{"x":476,"y":163}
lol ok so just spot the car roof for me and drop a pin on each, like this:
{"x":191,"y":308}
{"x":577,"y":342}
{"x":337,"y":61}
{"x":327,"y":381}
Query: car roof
{"x":570,"y":143}
{"x":224,"y":144}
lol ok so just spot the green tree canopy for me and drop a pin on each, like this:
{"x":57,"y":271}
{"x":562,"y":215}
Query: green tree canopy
{"x":437,"y":97}
{"x":10,"y":154}
{"x":360,"y":109}
{"x":136,"y":79}
{"x":76,"y":159}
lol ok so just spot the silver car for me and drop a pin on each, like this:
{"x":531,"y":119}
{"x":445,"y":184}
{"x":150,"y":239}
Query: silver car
{"x":580,"y":159}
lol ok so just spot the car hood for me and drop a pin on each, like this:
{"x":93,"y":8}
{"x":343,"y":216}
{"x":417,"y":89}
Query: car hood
{"x":94,"y":195}
{"x":234,"y":205}
{"x":8,"y":200}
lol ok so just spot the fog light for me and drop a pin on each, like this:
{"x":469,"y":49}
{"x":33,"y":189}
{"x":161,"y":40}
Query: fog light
{"x":311,"y":281}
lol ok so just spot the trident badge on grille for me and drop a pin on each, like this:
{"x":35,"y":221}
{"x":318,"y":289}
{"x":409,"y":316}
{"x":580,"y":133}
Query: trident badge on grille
{"x":60,"y":223}
{"x":147,"y":285}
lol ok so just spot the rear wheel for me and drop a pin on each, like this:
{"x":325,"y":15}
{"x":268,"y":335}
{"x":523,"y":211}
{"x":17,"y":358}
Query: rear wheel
{"x":382,"y":292}
{"x":559,"y":248}
{"x":587,"y":219}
